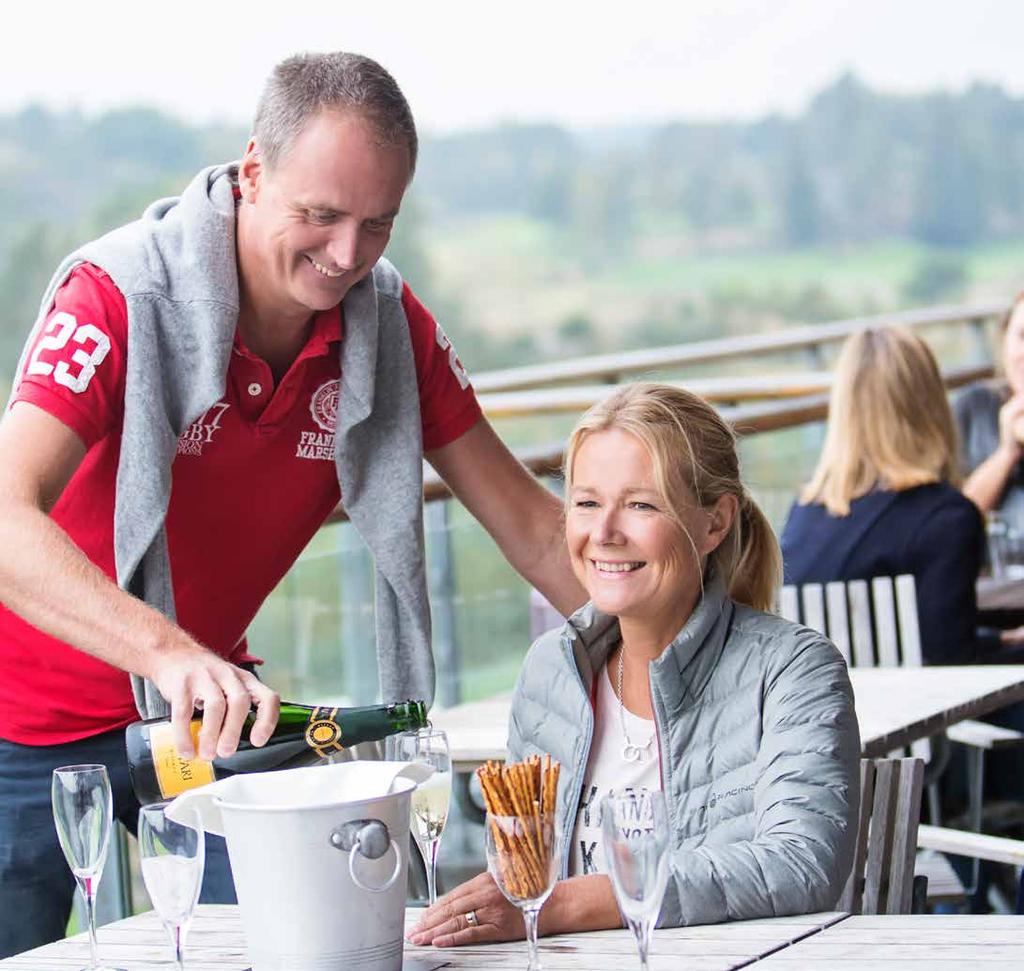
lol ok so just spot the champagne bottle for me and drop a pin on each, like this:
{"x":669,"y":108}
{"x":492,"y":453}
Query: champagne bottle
{"x":303,"y":736}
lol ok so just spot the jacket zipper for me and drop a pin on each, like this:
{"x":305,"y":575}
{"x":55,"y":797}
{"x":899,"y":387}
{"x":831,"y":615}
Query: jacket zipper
{"x":580,"y":771}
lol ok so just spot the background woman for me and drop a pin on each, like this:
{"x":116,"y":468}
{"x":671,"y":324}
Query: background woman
{"x":744,"y":720}
{"x":990,"y":416}
{"x":883,"y":499}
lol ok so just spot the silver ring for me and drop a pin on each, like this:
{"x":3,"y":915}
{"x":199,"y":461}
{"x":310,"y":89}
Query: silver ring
{"x":471,"y":918}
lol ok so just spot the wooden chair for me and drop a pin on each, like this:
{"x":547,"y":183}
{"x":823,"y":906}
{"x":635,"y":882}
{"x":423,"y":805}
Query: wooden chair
{"x":882,"y":879}
{"x":875,"y":624}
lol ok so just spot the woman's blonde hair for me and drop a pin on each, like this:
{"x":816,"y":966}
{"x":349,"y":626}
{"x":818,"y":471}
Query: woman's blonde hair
{"x":889,"y":422}
{"x":1000,"y":351}
{"x":694,"y":456}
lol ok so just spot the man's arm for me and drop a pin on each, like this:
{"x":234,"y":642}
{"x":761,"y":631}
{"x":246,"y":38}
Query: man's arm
{"x":48,"y":581}
{"x":523,"y":518}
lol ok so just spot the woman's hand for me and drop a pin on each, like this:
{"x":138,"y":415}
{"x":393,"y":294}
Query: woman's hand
{"x":445,"y":924}
{"x":1010,"y":415}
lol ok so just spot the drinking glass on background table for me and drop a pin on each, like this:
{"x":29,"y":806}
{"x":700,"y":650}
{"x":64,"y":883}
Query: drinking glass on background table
{"x":636,"y":842}
{"x":430,"y":800}
{"x":83,"y":815}
{"x":1005,"y":547}
{"x":522,"y":857}
{"x":172,"y":855}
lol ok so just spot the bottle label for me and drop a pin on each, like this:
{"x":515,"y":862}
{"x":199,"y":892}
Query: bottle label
{"x":173,"y":773}
{"x":323,"y":733}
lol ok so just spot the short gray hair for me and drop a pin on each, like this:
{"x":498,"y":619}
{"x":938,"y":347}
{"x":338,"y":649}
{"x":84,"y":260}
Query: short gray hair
{"x":305,"y":84}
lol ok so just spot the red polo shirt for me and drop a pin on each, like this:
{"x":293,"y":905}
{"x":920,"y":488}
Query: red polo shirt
{"x":253,"y":480}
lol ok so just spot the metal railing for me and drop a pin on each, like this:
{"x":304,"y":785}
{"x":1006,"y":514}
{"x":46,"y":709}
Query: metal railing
{"x":810,"y":338}
{"x":760,"y":404}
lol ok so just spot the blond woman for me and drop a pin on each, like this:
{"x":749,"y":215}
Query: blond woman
{"x":884,"y":498}
{"x":990,"y":416}
{"x":674,"y":678}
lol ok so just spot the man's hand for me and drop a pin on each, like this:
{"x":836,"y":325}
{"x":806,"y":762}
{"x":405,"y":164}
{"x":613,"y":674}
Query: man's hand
{"x":192,"y":677}
{"x":445,"y":924}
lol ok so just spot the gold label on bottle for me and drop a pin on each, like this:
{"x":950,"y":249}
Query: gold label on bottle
{"x":175,"y":774}
{"x":323,"y":734}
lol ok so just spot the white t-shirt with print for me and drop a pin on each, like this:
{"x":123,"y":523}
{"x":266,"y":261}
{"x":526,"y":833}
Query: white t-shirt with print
{"x":607,"y":770}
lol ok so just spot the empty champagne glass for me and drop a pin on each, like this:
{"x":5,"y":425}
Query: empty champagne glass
{"x":636,"y":841}
{"x":83,"y":815}
{"x":173,"y":855}
{"x":431,"y":798}
{"x":522,"y":856}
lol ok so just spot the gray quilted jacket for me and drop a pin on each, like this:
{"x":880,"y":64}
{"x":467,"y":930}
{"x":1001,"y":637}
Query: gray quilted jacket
{"x":759,"y":754}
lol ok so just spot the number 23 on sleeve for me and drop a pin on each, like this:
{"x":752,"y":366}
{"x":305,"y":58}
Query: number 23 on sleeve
{"x":62,"y":329}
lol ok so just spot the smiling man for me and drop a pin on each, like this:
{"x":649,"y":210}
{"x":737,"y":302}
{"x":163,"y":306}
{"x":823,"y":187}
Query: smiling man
{"x":201,"y":388}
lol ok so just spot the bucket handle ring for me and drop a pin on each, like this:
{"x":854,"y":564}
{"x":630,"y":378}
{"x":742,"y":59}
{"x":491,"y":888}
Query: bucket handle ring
{"x":352,"y":835}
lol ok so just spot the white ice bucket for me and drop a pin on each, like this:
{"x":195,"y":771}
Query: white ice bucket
{"x":320,"y":861}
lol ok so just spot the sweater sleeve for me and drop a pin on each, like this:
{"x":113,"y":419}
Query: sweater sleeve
{"x":945,"y":556}
{"x":806,"y":799}
{"x":962,"y":415}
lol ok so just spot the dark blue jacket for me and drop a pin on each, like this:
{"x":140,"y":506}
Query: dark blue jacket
{"x":931,"y":531}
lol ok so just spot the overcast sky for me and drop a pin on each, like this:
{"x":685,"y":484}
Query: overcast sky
{"x":467,"y":64}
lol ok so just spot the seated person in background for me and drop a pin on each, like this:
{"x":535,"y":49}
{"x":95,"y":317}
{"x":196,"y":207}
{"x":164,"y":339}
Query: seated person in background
{"x":990,"y":417}
{"x":884,"y":498}
{"x":675,"y":678}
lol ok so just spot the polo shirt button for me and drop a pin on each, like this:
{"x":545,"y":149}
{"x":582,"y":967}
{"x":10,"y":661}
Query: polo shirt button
{"x":255,"y":389}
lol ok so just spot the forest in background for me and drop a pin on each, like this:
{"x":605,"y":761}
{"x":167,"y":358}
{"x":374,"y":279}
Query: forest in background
{"x":536,"y":241}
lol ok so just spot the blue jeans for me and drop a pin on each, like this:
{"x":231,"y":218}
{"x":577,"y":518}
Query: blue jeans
{"x":36,"y":886}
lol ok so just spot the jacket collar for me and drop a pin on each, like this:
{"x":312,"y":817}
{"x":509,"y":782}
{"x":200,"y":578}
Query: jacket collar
{"x":683,"y":668}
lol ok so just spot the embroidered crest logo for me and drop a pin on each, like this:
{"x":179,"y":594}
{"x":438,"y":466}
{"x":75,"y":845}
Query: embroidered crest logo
{"x":323,"y":406}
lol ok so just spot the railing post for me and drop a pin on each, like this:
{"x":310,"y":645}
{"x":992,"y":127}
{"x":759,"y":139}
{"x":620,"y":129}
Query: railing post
{"x":441,"y":584}
{"x":816,"y":357}
{"x":980,"y":340}
{"x":358,"y":643}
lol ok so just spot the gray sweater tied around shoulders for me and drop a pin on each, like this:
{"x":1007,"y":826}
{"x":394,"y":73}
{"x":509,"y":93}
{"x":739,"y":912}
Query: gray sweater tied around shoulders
{"x":176,"y":268}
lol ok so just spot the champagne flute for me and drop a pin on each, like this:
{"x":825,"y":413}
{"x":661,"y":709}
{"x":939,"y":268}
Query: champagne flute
{"x":636,"y":840}
{"x":83,"y":814}
{"x":430,"y":800}
{"x":172,"y":855}
{"x":522,"y":857}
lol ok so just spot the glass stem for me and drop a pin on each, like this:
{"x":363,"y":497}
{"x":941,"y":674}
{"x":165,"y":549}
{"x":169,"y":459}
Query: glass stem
{"x":86,"y":883}
{"x":179,"y":956}
{"x":642,"y":930}
{"x":530,"y":919}
{"x":428,"y":850}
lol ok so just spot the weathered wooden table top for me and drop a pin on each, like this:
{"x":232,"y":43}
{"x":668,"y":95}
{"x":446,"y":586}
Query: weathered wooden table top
{"x":913,"y":943}
{"x":895,"y":706}
{"x":216,"y":943}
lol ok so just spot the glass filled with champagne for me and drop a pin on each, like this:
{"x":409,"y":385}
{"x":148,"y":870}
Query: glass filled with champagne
{"x":430,"y":801}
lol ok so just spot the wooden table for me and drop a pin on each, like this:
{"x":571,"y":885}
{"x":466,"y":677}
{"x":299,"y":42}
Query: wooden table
{"x":1003,"y":594}
{"x":216,"y":943}
{"x":914,"y":943}
{"x":895,"y":706}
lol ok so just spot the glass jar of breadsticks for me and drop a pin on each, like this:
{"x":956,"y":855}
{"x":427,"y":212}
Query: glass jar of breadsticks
{"x":521,"y":832}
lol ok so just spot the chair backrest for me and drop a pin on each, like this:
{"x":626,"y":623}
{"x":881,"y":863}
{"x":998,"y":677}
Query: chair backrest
{"x":873,"y":623}
{"x":882,"y":878}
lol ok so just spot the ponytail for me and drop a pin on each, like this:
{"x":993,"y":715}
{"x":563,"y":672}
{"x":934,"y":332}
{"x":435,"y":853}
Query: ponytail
{"x":753,"y":561}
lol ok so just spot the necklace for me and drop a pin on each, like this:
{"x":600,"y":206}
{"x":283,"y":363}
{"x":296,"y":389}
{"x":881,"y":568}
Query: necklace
{"x":630,"y":751}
